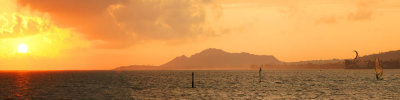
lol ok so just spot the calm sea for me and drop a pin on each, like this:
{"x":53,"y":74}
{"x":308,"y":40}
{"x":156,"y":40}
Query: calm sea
{"x":300,"y":84}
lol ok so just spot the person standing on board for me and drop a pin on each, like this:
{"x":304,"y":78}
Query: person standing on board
{"x":378,"y":67}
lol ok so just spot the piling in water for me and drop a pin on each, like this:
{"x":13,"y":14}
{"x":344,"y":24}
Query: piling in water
{"x":259,"y":74}
{"x":192,"y":79}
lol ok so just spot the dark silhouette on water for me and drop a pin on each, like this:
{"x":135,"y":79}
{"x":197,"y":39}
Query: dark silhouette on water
{"x":259,"y":73}
{"x":192,"y":79}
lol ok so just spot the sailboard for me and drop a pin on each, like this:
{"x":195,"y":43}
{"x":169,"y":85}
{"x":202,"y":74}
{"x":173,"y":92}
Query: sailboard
{"x":378,"y":70}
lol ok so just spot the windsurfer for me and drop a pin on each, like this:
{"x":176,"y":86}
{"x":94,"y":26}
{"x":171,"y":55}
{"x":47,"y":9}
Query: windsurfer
{"x":378,"y":67}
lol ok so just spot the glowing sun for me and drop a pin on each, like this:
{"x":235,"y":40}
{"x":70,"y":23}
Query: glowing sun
{"x":22,"y":48}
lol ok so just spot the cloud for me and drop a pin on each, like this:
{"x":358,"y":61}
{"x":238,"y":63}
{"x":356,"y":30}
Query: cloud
{"x":17,"y":25}
{"x":360,"y":15}
{"x":326,"y":20}
{"x":121,"y":23}
{"x":364,"y":11}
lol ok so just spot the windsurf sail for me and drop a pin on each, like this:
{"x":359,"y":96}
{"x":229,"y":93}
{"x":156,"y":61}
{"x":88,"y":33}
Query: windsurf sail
{"x":378,"y":70}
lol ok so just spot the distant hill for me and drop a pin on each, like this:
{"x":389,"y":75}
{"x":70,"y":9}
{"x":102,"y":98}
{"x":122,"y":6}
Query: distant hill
{"x":215,"y":59}
{"x":389,"y":60}
{"x":137,"y":67}
{"x":385,"y":56}
{"x":218,"y":59}
{"x":210,"y":59}
{"x":316,"y":62}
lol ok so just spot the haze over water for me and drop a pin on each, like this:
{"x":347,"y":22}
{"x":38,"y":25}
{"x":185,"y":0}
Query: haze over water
{"x":302,"y":84}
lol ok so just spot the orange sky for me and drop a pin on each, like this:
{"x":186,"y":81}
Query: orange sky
{"x":104,"y":34}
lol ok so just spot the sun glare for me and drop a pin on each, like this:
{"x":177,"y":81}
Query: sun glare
{"x":22,"y":48}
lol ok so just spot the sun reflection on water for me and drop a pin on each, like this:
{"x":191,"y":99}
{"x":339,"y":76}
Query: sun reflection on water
{"x":22,"y":90}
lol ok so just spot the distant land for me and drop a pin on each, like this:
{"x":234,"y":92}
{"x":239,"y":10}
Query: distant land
{"x":219,"y":59}
{"x":137,"y":67}
{"x":388,"y":60}
{"x":216,"y":59}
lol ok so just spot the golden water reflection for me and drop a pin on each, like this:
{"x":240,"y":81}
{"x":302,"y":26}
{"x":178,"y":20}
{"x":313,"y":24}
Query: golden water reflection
{"x":22,"y":88}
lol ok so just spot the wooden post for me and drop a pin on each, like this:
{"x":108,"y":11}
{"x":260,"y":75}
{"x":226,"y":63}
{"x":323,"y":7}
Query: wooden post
{"x":192,"y":79}
{"x":260,"y":74}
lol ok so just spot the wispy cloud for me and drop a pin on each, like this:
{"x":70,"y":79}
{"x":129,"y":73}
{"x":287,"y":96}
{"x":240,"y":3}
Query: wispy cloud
{"x":364,"y":11}
{"x":326,"y":20}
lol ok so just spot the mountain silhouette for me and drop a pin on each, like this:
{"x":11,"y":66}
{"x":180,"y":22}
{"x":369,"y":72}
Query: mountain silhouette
{"x":216,"y":58}
{"x":384,"y":56}
{"x":137,"y":67}
{"x":388,"y":60}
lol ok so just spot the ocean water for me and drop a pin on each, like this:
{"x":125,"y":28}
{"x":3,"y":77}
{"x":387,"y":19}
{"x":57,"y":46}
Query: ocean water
{"x":292,"y":84}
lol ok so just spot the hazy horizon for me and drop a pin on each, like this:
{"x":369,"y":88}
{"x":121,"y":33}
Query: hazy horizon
{"x":104,"y":34}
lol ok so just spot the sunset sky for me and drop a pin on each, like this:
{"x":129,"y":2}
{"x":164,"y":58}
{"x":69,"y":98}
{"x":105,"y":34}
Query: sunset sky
{"x":104,"y":34}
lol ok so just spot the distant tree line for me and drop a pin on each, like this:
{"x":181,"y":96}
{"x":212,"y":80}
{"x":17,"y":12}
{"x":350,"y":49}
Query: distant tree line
{"x":369,"y":64}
